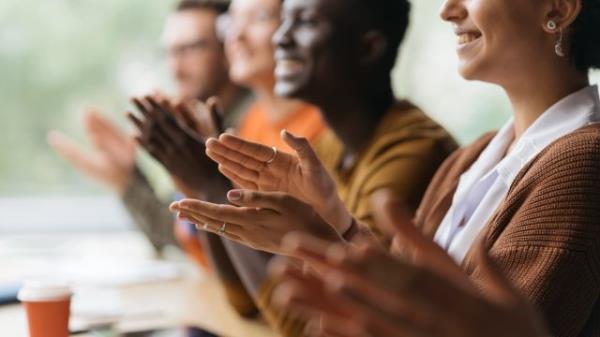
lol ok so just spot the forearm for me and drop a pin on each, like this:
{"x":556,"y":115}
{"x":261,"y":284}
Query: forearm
{"x":335,"y":213}
{"x":149,"y":213}
{"x":251,"y":265}
{"x":561,"y":282}
{"x":235,"y":290}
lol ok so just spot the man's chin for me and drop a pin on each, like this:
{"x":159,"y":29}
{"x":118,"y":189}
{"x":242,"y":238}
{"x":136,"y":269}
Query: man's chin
{"x":288,"y":90}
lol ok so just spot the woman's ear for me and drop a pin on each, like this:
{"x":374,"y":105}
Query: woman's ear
{"x":374,"y":47}
{"x":563,"y":13}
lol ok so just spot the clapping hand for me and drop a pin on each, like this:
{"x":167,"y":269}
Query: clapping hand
{"x":112,"y":158}
{"x":258,"y":220}
{"x":366,"y":291}
{"x":173,"y":135}
{"x":261,"y":168}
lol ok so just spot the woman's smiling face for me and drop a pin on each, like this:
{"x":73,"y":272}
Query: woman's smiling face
{"x":498,"y":39}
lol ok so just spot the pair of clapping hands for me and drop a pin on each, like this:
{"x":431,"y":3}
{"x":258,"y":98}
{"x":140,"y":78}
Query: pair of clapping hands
{"x":280,"y":193}
{"x":364,"y":290}
{"x":175,"y":135}
{"x":173,"y":132}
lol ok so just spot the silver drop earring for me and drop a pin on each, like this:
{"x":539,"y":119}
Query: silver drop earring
{"x":558,"y":48}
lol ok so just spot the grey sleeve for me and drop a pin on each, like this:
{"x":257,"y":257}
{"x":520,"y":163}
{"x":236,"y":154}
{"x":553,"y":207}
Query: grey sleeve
{"x":150,"y":214}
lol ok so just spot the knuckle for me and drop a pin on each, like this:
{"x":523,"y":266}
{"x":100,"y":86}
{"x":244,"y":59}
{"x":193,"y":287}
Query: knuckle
{"x":252,"y":196}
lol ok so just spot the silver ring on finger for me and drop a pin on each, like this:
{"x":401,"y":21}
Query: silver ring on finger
{"x":202,"y":227}
{"x":223,"y":229}
{"x":272,"y":159}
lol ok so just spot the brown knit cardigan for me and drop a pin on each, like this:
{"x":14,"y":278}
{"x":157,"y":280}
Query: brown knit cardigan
{"x":546,"y":233}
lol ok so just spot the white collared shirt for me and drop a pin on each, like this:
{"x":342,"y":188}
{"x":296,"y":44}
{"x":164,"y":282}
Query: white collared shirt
{"x":483,"y":187}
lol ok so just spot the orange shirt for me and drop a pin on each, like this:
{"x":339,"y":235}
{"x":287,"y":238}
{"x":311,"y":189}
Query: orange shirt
{"x":257,"y":127}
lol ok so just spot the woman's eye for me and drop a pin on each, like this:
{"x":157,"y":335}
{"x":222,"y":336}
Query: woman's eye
{"x":263,"y":16}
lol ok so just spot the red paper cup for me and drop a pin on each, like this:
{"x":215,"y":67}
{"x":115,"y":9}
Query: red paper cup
{"x":48,"y":309}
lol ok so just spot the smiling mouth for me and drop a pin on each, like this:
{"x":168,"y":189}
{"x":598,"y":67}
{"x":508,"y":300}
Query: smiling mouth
{"x":288,"y":67}
{"x":466,"y":38}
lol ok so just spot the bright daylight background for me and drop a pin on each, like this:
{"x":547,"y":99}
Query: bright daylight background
{"x":58,"y":57}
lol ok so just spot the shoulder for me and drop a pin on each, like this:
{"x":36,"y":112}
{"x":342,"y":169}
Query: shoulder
{"x":462,"y":159}
{"x":556,"y":195}
{"x":408,"y":131}
{"x":571,"y":158}
{"x":253,"y":118}
{"x":580,"y":143}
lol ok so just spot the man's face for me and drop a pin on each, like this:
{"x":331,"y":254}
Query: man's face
{"x":195,"y":56}
{"x":314,"y":50}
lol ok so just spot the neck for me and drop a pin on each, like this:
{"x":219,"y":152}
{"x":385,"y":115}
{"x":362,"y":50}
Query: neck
{"x":227,"y":95}
{"x":531,"y":97}
{"x":277,"y":108}
{"x":354,"y":116}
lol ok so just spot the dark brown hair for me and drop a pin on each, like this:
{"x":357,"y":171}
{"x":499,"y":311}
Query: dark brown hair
{"x":219,"y":6}
{"x":584,"y":47}
{"x":392,"y":18}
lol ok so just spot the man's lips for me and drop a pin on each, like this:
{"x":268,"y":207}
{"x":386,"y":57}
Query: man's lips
{"x":287,"y":67}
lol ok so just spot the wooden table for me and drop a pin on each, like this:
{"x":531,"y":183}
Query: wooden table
{"x":195,"y":300}
{"x":175,"y":304}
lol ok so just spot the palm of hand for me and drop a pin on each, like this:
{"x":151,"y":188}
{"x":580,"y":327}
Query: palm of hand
{"x":114,"y":148}
{"x":289,"y":174}
{"x":172,"y":135}
{"x":113,"y":156}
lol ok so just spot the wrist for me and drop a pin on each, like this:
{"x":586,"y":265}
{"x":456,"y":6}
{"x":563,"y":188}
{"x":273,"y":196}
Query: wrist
{"x":123,"y":181}
{"x":338,"y":216}
{"x":351,"y":231}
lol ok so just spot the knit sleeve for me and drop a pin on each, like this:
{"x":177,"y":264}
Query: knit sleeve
{"x":150,"y":214}
{"x":547,"y":238}
{"x":405,"y":168}
{"x":283,"y":321}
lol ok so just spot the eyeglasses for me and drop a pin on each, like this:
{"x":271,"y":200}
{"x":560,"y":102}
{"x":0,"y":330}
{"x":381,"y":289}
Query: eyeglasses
{"x":228,"y":22}
{"x":185,"y":49}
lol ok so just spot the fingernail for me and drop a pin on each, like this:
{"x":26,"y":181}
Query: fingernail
{"x":234,"y":195}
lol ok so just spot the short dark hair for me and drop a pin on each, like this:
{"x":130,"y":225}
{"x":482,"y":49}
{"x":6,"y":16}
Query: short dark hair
{"x":219,"y":6}
{"x":392,"y":18}
{"x":585,"y":37}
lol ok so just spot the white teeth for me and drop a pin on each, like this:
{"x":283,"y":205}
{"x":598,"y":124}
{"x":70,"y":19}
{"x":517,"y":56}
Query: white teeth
{"x":467,"y":37}
{"x":287,"y":67}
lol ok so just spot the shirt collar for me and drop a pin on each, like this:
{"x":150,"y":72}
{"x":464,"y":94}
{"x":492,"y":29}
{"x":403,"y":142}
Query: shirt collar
{"x":569,"y":114}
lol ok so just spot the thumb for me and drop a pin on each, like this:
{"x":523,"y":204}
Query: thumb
{"x":186,"y":115}
{"x":62,"y":144}
{"x":216,"y":114}
{"x":302,"y":147}
{"x":70,"y":151}
{"x":497,"y":286}
{"x":269,"y":200}
{"x":390,"y":213}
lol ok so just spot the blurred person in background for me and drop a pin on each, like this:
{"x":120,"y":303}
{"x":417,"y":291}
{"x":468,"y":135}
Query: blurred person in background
{"x":196,"y":60}
{"x":197,"y":63}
